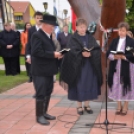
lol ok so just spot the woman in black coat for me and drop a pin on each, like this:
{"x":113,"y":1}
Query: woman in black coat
{"x":81,"y":69}
{"x":9,"y":42}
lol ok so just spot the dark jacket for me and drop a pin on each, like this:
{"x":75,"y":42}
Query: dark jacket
{"x":63,"y":40}
{"x":42,"y":53}
{"x":28,"y":45}
{"x":9,"y":38}
{"x":129,"y":42}
{"x":73,"y":60}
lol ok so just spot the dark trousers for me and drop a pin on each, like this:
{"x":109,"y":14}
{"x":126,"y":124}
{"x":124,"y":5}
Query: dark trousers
{"x":18,"y":64}
{"x":28,"y":69}
{"x":11,"y":65}
{"x":43,"y":86}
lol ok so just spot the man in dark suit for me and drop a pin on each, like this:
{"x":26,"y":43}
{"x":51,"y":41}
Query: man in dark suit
{"x":9,"y":43}
{"x":64,"y":37}
{"x":37,"y":16}
{"x":44,"y":66}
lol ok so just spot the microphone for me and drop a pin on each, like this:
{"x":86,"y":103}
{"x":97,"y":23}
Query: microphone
{"x":109,"y":31}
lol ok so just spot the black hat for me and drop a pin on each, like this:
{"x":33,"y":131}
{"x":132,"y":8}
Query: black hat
{"x":49,"y":19}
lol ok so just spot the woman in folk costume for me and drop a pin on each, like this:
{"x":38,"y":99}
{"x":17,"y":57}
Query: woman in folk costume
{"x":80,"y":69}
{"x":121,"y":70}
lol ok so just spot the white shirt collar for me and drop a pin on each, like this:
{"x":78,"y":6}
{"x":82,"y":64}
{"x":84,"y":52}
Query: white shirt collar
{"x":123,"y":38}
{"x":120,"y":43}
{"x":47,"y":34}
{"x":37,"y":27}
{"x":66,"y":34}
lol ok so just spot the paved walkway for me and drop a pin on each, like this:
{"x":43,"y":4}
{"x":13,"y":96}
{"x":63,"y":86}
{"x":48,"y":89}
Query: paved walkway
{"x":17,"y":114}
{"x":22,"y":67}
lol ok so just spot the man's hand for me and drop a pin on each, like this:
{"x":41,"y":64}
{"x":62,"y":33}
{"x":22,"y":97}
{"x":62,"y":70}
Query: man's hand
{"x":57,"y":54}
{"x":86,"y":54}
{"x":61,"y":57}
{"x":28,"y":60}
{"x":9,"y":46}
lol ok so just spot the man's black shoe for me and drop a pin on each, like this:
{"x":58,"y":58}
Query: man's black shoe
{"x":34,"y":96}
{"x":49,"y":117}
{"x":41,"y":120}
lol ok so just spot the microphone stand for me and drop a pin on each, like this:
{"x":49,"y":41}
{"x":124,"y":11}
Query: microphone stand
{"x":106,"y":122}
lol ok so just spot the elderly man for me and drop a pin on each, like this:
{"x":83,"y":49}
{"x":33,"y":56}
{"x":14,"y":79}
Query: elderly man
{"x":43,"y":67}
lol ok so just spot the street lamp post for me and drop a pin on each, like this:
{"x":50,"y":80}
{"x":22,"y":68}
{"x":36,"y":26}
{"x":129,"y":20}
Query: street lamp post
{"x":45,"y":6}
{"x":65,"y":11}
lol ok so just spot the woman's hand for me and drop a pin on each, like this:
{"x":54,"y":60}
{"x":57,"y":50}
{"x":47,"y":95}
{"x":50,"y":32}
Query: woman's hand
{"x":123,"y":57}
{"x":86,"y":54}
{"x":117,"y":56}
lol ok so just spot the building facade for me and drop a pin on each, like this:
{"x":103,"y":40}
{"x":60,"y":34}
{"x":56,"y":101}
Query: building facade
{"x":23,"y":12}
{"x":8,"y":13}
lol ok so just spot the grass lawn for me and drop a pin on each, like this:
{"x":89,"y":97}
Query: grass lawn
{"x":8,"y":82}
{"x":22,"y":60}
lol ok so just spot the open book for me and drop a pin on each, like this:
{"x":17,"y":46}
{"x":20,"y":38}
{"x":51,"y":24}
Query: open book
{"x":117,"y":52}
{"x":65,"y":50}
{"x":88,"y":49}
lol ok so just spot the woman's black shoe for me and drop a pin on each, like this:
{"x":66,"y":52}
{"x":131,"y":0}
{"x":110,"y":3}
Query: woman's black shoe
{"x":80,"y":112}
{"x":88,"y":110}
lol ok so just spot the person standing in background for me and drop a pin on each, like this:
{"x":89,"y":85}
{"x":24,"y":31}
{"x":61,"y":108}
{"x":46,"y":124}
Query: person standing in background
{"x":57,"y":46}
{"x":37,"y":16}
{"x":9,"y":42}
{"x":24,"y":38}
{"x":64,"y":37}
{"x":13,"y":27}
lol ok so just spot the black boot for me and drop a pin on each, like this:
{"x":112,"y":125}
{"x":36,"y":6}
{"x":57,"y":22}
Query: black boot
{"x":46,"y":104}
{"x":34,"y":96}
{"x":39,"y":113}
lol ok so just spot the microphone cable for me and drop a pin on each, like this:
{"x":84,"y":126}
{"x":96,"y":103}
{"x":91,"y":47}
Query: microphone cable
{"x":111,"y":129}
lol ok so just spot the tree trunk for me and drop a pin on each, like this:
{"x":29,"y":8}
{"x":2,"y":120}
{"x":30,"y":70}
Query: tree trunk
{"x":112,"y":13}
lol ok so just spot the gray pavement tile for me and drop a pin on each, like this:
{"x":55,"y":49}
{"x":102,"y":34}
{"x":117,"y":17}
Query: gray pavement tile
{"x":63,"y":105}
{"x":78,"y":132}
{"x":81,"y":130}
{"x":57,"y":96}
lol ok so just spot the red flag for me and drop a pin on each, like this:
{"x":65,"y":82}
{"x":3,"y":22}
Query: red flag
{"x":73,"y":19}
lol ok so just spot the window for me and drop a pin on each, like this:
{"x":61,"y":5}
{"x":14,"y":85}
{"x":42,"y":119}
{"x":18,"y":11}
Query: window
{"x":18,"y":17}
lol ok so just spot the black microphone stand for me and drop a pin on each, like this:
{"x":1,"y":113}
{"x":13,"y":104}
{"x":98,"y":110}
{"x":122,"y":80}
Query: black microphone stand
{"x":106,"y":122}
